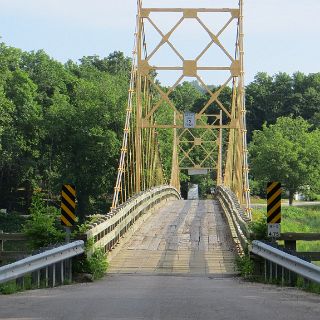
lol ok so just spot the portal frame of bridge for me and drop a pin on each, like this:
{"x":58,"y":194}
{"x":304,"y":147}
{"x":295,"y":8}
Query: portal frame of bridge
{"x":143,"y":109}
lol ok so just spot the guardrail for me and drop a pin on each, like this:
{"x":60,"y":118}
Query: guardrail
{"x":273,"y":258}
{"x":115,"y":224}
{"x":49,"y":267}
{"x":238,"y":221}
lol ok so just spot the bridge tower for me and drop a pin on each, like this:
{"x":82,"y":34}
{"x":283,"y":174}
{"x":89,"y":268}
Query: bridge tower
{"x":216,"y":141}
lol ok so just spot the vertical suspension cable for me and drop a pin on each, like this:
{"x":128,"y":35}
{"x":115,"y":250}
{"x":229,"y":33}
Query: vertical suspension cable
{"x":124,"y":148}
{"x":243,"y":119}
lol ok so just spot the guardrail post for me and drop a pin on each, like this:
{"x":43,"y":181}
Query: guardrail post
{"x":54,"y":275}
{"x":34,"y":278}
{"x":47,"y":277}
{"x":38,"y":278}
{"x":62,"y":272}
{"x":20,"y":282}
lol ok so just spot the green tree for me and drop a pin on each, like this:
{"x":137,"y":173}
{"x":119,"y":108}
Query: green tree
{"x":43,"y":225}
{"x":20,"y":132}
{"x":271,"y":97}
{"x":287,"y":152}
{"x":184,"y":96}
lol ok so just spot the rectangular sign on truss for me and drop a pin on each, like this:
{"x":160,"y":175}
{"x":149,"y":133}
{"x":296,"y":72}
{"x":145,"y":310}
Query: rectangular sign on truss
{"x":189,"y":120}
{"x":194,"y":172}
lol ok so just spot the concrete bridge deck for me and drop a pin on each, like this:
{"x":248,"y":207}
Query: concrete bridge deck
{"x":184,"y":237}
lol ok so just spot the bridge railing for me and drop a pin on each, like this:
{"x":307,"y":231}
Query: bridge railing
{"x":46,"y":267}
{"x":108,"y":231}
{"x":238,"y":221}
{"x":282,"y":266}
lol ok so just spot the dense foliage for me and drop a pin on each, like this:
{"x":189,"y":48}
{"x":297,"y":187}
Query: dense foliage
{"x":282,"y":95}
{"x":43,"y":226}
{"x":287,"y":151}
{"x":62,"y":123}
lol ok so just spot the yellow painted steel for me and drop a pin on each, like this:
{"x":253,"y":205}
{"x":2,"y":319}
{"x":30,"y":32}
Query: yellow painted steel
{"x":140,"y":161}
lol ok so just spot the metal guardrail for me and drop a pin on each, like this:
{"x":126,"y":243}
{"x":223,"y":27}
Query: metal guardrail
{"x":105,"y":233}
{"x":292,"y":263}
{"x":115,"y":224}
{"x":237,"y":220}
{"x":41,"y":261}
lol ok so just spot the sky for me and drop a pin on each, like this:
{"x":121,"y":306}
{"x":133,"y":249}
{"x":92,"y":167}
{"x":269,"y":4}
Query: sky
{"x":280,"y":35}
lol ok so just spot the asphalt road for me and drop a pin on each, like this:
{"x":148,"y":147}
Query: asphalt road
{"x":162,"y":297}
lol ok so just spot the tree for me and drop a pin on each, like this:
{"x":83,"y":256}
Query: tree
{"x":271,"y":97}
{"x":184,"y":96}
{"x":287,"y":152}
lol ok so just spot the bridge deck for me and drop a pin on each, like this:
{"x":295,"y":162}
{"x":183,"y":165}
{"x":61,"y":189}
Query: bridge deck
{"x":184,"y":237}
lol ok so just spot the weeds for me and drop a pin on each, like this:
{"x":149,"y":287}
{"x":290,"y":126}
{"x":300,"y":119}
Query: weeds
{"x":245,"y":266}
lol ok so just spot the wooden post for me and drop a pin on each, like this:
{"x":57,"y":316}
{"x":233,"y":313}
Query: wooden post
{"x":290,"y":244}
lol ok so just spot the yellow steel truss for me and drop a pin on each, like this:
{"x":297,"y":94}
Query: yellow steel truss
{"x":140,"y":165}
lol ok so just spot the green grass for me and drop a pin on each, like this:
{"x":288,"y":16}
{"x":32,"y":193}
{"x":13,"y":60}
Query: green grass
{"x":257,"y":200}
{"x":304,"y":219}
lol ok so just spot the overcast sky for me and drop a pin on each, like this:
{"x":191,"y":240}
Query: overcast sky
{"x":280,"y":35}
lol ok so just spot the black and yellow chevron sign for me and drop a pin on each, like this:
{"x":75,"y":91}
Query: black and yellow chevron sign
{"x":274,"y":202}
{"x":68,"y":205}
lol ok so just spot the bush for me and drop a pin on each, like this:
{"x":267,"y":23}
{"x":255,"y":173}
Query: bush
{"x":95,"y":262}
{"x":9,"y":287}
{"x":245,"y":266}
{"x":43,"y":227}
{"x":259,"y":229}
{"x":11,"y":222}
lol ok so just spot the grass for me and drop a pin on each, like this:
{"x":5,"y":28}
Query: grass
{"x":304,"y":219}
{"x":257,"y":200}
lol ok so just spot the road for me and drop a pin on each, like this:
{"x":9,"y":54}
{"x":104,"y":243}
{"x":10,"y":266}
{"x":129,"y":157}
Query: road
{"x":162,"y":297}
{"x":181,"y":266}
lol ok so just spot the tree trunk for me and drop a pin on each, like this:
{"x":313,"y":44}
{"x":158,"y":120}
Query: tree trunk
{"x":83,"y":205}
{"x":291,"y":194}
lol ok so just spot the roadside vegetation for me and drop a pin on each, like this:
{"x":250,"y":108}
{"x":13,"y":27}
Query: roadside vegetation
{"x":294,"y":219}
{"x":63,"y":123}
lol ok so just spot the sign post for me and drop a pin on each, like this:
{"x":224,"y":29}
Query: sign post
{"x":68,"y":208}
{"x":274,"y":191}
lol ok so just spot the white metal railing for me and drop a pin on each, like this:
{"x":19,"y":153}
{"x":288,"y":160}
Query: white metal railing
{"x":292,"y":263}
{"x":41,"y":261}
{"x":116,"y":223}
{"x":238,"y":222}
